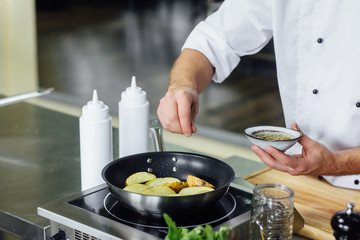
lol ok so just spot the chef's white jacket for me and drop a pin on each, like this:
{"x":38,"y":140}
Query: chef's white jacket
{"x":317,"y":49}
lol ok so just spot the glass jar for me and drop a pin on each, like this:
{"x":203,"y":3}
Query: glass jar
{"x":272,"y":212}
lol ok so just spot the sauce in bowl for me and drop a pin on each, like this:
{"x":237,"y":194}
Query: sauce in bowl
{"x":272,"y":135}
{"x":281,"y":138}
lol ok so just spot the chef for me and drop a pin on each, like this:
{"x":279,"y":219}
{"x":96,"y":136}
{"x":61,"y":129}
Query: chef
{"x":317,"y":49}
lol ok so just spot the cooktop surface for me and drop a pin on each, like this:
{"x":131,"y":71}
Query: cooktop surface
{"x":235,"y":203}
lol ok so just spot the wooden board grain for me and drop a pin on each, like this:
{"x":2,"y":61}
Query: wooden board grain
{"x":316,"y":200}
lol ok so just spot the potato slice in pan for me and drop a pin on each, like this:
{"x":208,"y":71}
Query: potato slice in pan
{"x":159,"y":191}
{"x":195,"y":190}
{"x":176,"y":195}
{"x":139,"y":177}
{"x":193,"y":181}
{"x":161,"y":181}
{"x":136,"y":188}
{"x":176,"y":186}
{"x":167,"y":186}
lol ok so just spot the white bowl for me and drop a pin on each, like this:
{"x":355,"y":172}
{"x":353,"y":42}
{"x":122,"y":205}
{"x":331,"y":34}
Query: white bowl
{"x":253,"y":134}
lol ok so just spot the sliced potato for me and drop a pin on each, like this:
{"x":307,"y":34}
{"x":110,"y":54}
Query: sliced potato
{"x":195,"y":190}
{"x":136,"y":188}
{"x":161,"y":181}
{"x":193,"y":181}
{"x":173,"y":195}
{"x":159,"y":191}
{"x":176,"y":186}
{"x":147,"y":183}
{"x":139,"y":177}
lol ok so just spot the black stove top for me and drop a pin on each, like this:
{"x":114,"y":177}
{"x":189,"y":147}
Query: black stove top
{"x":235,"y":203}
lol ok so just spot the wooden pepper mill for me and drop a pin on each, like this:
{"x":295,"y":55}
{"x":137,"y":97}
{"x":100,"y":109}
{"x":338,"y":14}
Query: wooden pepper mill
{"x":346,"y":224}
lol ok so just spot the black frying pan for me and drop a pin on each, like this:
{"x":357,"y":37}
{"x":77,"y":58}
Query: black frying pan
{"x":168,"y":164}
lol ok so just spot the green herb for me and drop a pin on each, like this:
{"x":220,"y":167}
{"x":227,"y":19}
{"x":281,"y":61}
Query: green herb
{"x":197,"y":233}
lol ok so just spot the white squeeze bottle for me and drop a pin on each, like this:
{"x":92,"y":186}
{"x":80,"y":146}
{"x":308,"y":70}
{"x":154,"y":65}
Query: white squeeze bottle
{"x":133,"y":121}
{"x":96,"y":148}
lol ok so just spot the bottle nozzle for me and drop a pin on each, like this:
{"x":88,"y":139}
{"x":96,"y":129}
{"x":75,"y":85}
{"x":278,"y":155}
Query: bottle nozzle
{"x":95,"y":98}
{"x":133,"y":83}
{"x":133,"y":94}
{"x":95,"y":103}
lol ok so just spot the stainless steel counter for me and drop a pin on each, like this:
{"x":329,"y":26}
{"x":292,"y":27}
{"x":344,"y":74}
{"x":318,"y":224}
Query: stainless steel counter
{"x":39,"y":163}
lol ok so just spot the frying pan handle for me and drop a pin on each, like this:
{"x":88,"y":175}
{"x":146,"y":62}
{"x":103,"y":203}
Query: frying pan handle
{"x":156,"y":133}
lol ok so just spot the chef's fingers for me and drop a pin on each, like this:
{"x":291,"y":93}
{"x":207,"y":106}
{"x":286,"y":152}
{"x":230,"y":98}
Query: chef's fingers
{"x":188,"y":104}
{"x":282,"y":158}
{"x":168,"y":113}
{"x":295,"y":126}
{"x":305,"y":141}
{"x":309,"y":144}
{"x":185,"y":117}
{"x":177,"y":110}
{"x":269,"y":160}
{"x":160,"y":112}
{"x":194,"y":110}
{"x":193,"y":126}
{"x":296,"y":164}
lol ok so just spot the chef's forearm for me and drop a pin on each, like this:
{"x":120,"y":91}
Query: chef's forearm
{"x":191,"y":70}
{"x":347,"y":161}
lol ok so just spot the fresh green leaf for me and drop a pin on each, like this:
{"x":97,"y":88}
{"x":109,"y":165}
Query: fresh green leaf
{"x":223,"y":232}
{"x":197,"y":233}
{"x":209,"y":234}
{"x":173,"y":232}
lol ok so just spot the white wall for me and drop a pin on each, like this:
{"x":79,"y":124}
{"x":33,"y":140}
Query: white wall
{"x":18,"y":60}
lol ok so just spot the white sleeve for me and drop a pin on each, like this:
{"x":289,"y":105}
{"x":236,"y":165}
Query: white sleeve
{"x":238,"y":28}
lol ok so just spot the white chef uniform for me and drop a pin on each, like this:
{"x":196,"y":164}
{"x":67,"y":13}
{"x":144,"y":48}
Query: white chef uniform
{"x":317,"y":48}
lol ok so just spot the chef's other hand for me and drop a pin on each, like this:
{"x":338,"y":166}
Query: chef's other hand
{"x":178,"y":109}
{"x":315,"y":158}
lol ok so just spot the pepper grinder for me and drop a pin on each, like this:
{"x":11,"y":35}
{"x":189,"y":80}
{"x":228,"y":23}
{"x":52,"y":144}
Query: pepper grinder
{"x":346,"y":224}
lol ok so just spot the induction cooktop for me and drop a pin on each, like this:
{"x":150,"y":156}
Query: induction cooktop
{"x":97,"y":214}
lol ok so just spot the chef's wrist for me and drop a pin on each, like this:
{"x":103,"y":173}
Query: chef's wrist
{"x":183,"y":86}
{"x":334,"y":164}
{"x":346,"y":162}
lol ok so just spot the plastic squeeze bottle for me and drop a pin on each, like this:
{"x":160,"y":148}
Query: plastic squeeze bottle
{"x":133,"y":121}
{"x":96,"y":148}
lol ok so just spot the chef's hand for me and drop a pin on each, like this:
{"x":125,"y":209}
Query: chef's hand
{"x":178,"y":109}
{"x":190,"y":75}
{"x":315,"y":158}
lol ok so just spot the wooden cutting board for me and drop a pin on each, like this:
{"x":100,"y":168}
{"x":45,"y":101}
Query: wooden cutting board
{"x":316,"y":200}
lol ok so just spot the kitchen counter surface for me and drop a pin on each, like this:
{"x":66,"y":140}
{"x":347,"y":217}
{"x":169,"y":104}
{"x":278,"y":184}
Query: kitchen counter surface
{"x":40,"y":163}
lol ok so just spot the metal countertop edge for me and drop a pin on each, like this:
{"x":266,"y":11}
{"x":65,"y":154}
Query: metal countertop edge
{"x":78,"y":219}
{"x":22,"y":227}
